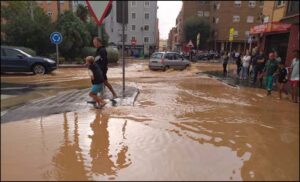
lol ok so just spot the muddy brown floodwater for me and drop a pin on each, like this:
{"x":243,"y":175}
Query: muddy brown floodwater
{"x":183,"y":126}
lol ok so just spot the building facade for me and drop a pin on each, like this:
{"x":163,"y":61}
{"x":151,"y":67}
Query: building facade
{"x":239,"y":15}
{"x":280,"y":29}
{"x":142,"y":27}
{"x":189,"y":9}
{"x":50,"y":7}
{"x":170,"y":42}
{"x":221,"y":16}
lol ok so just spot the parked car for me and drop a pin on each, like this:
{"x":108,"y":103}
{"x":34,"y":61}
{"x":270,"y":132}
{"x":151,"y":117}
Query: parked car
{"x":14,"y":59}
{"x":165,"y":60}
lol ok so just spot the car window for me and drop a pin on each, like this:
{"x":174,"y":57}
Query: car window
{"x":170,"y":56}
{"x":178,"y":57}
{"x":11,"y":53}
{"x":157,"y":55}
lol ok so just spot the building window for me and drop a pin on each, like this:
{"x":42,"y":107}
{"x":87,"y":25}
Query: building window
{"x":49,"y":13}
{"x":133,"y":15}
{"x":133,"y":38}
{"x":200,"y":13}
{"x":236,"y":18}
{"x":133,"y":27}
{"x":250,"y":19}
{"x":146,"y":3}
{"x":146,"y":16}
{"x":237,"y":3}
{"x":146,"y":28}
{"x":279,"y":3}
{"x":206,"y":13}
{"x":236,"y":33}
{"x":217,"y":20}
{"x":252,"y":4}
{"x":133,"y":3}
{"x":146,"y":39}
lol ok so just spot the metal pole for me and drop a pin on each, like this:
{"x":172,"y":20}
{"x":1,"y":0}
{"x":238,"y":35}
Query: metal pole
{"x":123,"y":41}
{"x":57,"y":56}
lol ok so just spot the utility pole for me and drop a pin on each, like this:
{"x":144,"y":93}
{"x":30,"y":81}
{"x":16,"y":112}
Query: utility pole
{"x":123,"y":42}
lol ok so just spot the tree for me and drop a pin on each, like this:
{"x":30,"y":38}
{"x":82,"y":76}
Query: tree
{"x":192,"y":27}
{"x":20,"y":29}
{"x":75,"y":35}
{"x":82,"y":12}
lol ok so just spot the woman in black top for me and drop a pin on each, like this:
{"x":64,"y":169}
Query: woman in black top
{"x":282,"y":77}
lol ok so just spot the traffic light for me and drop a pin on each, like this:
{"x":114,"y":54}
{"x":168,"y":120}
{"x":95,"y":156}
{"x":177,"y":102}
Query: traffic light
{"x":120,"y":13}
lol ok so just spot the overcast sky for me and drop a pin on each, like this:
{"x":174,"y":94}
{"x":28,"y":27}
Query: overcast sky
{"x":167,"y":13}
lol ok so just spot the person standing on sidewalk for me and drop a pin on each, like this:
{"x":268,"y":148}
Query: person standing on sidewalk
{"x":101,"y":60}
{"x":225,"y":59}
{"x":282,"y":77}
{"x":246,"y":63}
{"x":258,"y":64}
{"x":294,"y":80}
{"x":269,"y":71}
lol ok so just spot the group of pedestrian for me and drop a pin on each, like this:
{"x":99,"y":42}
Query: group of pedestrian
{"x":271,"y":69}
{"x":98,"y":67}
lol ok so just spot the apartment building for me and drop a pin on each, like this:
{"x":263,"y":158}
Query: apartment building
{"x":50,"y":7}
{"x":142,"y":27}
{"x":188,"y":10}
{"x":221,"y":16}
{"x":240,"y":15}
{"x":170,"y":42}
{"x":280,"y":29}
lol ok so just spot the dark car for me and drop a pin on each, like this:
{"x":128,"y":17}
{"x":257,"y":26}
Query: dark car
{"x":14,"y":59}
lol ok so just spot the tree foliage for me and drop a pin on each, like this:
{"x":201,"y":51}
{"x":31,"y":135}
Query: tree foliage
{"x":82,"y":12}
{"x":192,"y":27}
{"x":75,"y":35}
{"x":21,"y":30}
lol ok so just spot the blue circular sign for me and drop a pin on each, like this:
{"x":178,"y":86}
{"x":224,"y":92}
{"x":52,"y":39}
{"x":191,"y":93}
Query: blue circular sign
{"x":56,"y":38}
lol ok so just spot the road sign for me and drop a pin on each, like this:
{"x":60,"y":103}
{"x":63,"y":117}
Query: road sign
{"x":56,"y":38}
{"x":231,"y":32}
{"x":99,"y":9}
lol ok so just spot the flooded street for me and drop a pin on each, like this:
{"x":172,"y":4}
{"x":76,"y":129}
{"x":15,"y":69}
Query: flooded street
{"x":183,"y":126}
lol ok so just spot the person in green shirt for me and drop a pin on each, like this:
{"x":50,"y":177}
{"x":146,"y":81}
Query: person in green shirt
{"x":269,"y":71}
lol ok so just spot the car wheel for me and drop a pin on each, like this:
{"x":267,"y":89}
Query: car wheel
{"x":39,"y":69}
{"x":167,"y":67}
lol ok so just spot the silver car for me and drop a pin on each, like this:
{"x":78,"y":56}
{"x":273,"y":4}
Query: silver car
{"x":165,"y":60}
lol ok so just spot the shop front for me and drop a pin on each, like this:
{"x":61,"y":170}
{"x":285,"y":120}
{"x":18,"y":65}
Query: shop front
{"x":274,"y":36}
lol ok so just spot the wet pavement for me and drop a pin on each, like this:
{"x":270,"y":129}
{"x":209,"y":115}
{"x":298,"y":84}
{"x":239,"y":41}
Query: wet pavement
{"x":183,"y":126}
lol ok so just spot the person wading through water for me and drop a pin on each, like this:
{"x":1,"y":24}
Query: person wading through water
{"x":101,"y":60}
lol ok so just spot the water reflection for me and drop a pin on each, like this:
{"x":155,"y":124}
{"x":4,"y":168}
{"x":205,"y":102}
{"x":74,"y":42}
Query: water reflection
{"x":74,"y":161}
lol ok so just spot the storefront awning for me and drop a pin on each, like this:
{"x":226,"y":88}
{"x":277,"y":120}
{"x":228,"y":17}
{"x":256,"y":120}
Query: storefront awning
{"x":270,"y":27}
